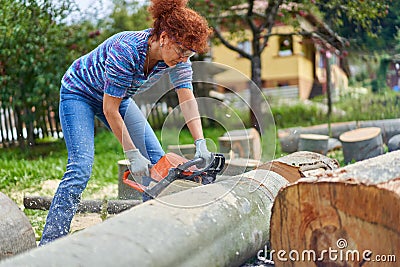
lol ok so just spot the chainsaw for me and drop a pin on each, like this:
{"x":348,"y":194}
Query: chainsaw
{"x":173,"y":167}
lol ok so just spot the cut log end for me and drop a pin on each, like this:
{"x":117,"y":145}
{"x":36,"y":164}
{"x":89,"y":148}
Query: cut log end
{"x":361,"y":134}
{"x":341,"y":216}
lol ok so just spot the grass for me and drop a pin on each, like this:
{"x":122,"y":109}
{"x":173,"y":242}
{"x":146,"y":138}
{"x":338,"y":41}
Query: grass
{"x":27,"y":169}
{"x":24,"y":171}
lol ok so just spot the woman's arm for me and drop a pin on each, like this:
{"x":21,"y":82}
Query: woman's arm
{"x":111,"y":111}
{"x":190,"y":112}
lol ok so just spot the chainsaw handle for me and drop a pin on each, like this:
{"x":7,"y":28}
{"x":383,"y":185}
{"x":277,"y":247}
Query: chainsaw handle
{"x":190,"y":163}
{"x":138,"y":187}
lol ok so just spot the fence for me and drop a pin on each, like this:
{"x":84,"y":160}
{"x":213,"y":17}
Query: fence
{"x":28,"y":125}
{"x":282,"y":92}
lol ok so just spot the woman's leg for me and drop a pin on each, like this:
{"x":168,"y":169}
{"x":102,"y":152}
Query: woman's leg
{"x":77,"y":121}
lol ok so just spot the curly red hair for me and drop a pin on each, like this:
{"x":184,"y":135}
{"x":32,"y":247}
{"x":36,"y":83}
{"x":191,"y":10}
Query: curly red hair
{"x":183,"y":24}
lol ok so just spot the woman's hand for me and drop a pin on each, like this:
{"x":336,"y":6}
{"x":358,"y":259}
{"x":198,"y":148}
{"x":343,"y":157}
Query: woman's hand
{"x":139,"y":165}
{"x":202,"y":152}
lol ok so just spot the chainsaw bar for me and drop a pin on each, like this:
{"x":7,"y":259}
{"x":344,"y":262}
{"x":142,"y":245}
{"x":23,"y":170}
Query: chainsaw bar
{"x":203,"y":176}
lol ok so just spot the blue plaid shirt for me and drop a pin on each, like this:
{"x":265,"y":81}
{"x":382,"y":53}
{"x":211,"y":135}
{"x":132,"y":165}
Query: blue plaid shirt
{"x":116,"y":68}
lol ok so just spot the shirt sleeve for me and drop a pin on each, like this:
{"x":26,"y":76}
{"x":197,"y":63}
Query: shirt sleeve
{"x":119,"y":68}
{"x":181,"y":75}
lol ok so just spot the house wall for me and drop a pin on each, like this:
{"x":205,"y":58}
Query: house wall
{"x":236,"y":64}
{"x":301,"y":67}
{"x":277,"y":70}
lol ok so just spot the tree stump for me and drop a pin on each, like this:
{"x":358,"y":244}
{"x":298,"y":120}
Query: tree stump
{"x":394,"y":143}
{"x":125,"y":191}
{"x":289,"y":137}
{"x":245,"y":143}
{"x":360,"y":144}
{"x":238,"y":166}
{"x":16,"y":232}
{"x":353,"y":212}
{"x":186,"y":150}
{"x":314,"y":143}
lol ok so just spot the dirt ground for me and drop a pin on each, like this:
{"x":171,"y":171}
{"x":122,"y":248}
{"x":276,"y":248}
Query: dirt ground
{"x":85,"y":220}
{"x":80,"y":220}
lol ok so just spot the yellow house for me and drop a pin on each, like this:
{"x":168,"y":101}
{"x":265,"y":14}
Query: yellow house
{"x":291,"y":65}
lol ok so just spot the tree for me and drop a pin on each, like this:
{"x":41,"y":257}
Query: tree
{"x":39,"y":39}
{"x":379,"y":37}
{"x":36,"y":47}
{"x":258,"y":17}
{"x":31,"y":32}
{"x":127,"y":16}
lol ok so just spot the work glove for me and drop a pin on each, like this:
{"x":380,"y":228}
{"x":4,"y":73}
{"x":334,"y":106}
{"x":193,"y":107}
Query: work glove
{"x":202,"y":152}
{"x":139,"y":165}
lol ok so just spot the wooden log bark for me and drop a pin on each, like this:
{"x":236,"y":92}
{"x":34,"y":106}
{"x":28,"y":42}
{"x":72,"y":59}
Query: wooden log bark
{"x":237,"y":166}
{"x":353,"y":212}
{"x":362,"y":143}
{"x":186,"y":150}
{"x":91,"y":206}
{"x":289,"y":138}
{"x":16,"y":232}
{"x":314,"y":142}
{"x":125,"y":191}
{"x":220,"y":224}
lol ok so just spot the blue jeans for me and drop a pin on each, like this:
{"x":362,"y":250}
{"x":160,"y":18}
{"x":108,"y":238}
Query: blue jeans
{"x":77,"y":115}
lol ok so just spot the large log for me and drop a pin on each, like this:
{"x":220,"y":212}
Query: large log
{"x":352,"y":212}
{"x":186,"y":150}
{"x":289,"y":138}
{"x":16,"y":232}
{"x":394,"y":143}
{"x":220,"y":224}
{"x":244,"y":143}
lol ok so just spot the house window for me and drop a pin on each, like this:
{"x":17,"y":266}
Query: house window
{"x":321,"y":62}
{"x":245,"y":46}
{"x":285,"y":46}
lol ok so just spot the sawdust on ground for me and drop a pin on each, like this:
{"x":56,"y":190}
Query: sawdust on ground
{"x":80,"y":220}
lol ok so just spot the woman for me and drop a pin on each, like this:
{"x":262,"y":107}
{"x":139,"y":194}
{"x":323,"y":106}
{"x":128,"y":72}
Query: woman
{"x":101,"y":83}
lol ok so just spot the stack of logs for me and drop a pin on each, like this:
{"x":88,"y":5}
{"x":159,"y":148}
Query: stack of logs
{"x":312,"y":212}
